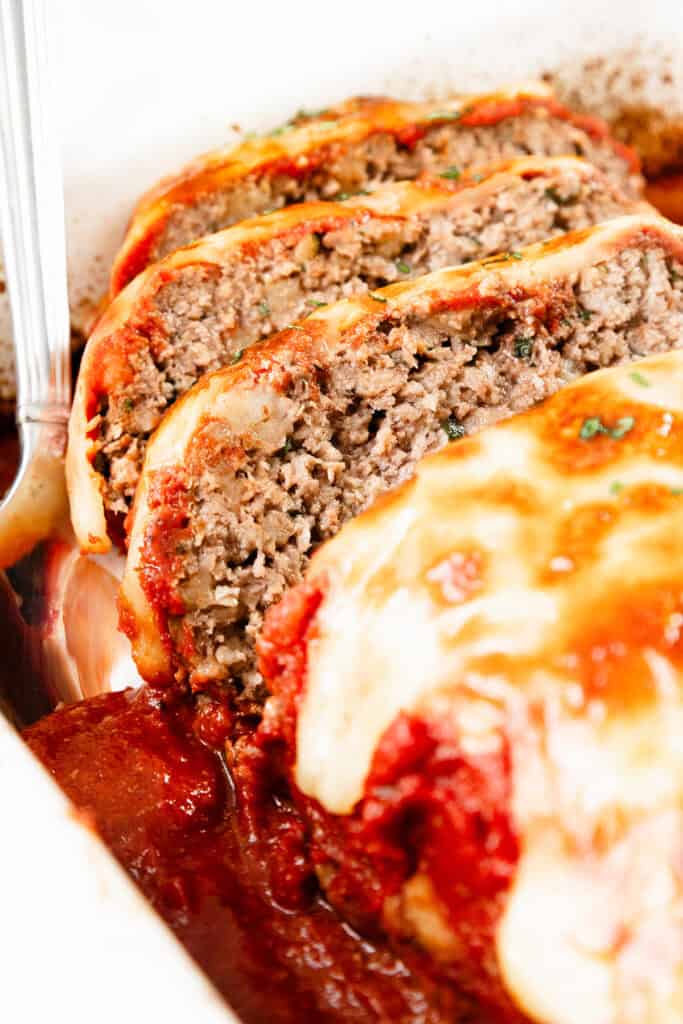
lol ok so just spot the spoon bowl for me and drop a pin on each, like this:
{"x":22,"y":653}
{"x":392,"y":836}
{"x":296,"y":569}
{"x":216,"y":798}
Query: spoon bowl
{"x":32,"y":224}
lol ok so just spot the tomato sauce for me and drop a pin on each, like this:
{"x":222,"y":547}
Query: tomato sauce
{"x":150,"y":778}
{"x":9,"y":459}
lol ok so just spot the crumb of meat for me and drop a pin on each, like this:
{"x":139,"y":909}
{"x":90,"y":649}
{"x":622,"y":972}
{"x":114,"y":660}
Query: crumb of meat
{"x":357,"y":427}
{"x":381,"y":157}
{"x":205,"y":317}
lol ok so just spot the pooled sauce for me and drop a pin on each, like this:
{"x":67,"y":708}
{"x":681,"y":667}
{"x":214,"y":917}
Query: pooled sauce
{"x":154,"y":785}
{"x":9,"y":458}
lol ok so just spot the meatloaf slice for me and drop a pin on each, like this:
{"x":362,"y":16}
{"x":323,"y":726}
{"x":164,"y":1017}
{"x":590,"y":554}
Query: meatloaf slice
{"x":480,"y":692}
{"x":262,"y":461}
{"x":200,"y":307}
{"x":356,"y":146}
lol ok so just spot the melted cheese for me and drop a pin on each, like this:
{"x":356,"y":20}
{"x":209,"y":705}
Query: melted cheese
{"x":571,"y":637}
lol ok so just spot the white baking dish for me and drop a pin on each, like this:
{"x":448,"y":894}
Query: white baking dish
{"x":145,"y":86}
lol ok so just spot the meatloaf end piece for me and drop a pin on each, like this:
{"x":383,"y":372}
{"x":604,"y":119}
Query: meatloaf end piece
{"x":199,"y":308}
{"x":356,"y":146}
{"x":479,"y":692}
{"x":264,"y":460}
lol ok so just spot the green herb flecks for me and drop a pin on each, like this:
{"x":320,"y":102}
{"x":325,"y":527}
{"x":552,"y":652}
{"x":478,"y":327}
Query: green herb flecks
{"x":584,"y":314}
{"x":280,"y":130}
{"x":523,"y":347}
{"x":287,"y":447}
{"x":639,"y":379}
{"x":622,"y":427}
{"x":315,"y":303}
{"x":452,"y":173}
{"x":593,"y":426}
{"x":376,"y":297}
{"x":263,"y":308}
{"x":128,"y":404}
{"x":303,"y":114}
{"x":445,"y":115}
{"x":237,"y":356}
{"x":502,"y":257}
{"x":616,"y":487}
{"x":676,"y":491}
{"x":342,"y":196}
{"x":454,"y":430}
{"x":402,"y":267}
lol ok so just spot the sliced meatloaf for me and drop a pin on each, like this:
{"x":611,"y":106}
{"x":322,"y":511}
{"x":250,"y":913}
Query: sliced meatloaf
{"x":479,"y":689}
{"x":199,"y":308}
{"x":356,"y":146}
{"x":265,"y":459}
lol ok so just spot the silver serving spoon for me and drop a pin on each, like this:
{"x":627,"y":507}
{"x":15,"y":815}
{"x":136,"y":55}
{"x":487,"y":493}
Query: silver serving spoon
{"x":32,"y":226}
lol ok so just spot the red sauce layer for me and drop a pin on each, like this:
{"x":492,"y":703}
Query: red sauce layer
{"x":224,"y":863}
{"x":429,"y":808}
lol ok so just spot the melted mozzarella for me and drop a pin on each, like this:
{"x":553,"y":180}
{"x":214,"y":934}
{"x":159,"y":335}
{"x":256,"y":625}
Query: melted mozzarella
{"x":570,"y":634}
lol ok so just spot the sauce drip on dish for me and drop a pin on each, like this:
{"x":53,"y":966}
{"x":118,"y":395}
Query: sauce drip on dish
{"x":153,"y":784}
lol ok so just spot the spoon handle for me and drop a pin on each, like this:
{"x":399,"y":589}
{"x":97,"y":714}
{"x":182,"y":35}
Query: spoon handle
{"x":32,"y":218}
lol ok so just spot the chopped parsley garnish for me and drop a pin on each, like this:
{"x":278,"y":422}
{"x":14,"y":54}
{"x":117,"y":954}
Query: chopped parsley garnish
{"x":402,"y":267}
{"x":299,"y":116}
{"x":445,"y":115}
{"x":128,"y":404}
{"x":314,"y":302}
{"x":676,"y":491}
{"x":287,"y":446}
{"x":452,"y":173}
{"x":565,"y":322}
{"x":454,"y":430}
{"x":616,"y":487}
{"x":264,"y":309}
{"x":590,"y":427}
{"x":302,"y":113}
{"x":584,"y":314}
{"x":500,"y":257}
{"x":524,"y":347}
{"x":237,"y":356}
{"x":622,"y":427}
{"x":639,"y":379}
{"x":341,"y":196}
{"x":377,"y":298}
{"x":675,"y":276}
{"x":593,"y":426}
{"x":478,"y":178}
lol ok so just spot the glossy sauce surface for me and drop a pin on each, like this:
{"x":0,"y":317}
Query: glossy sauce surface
{"x":153,"y":785}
